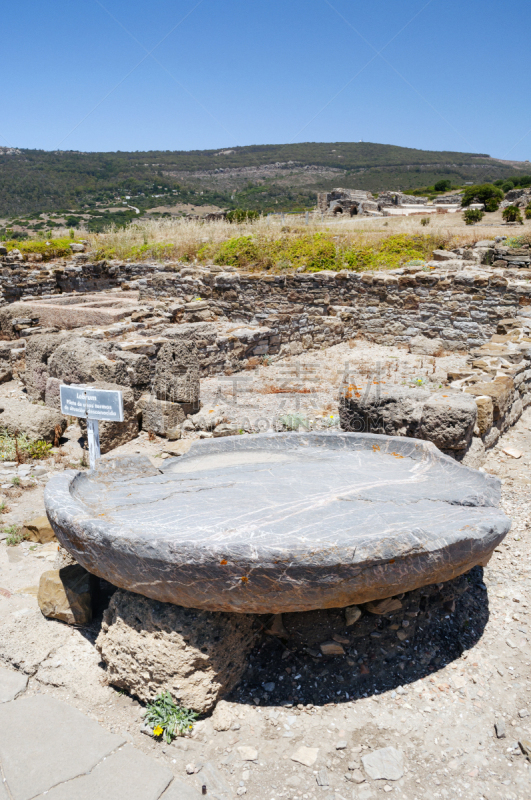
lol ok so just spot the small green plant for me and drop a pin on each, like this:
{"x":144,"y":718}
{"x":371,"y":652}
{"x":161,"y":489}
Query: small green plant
{"x":14,"y":536}
{"x":512,"y":214}
{"x":425,"y":221}
{"x":292,"y":422}
{"x":39,"y":449}
{"x":331,"y":421}
{"x":15,"y":448}
{"x":473,"y":215}
{"x":3,"y":507}
{"x":15,"y":481}
{"x":167,"y":719}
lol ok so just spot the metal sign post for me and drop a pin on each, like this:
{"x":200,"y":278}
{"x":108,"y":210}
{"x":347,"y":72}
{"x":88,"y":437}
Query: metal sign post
{"x":92,"y":404}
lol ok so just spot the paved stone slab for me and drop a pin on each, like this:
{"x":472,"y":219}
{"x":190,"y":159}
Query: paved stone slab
{"x":44,"y":742}
{"x":125,"y":775}
{"x":3,"y":791}
{"x":11,"y":684}
{"x":180,"y":790}
{"x":280,"y":522}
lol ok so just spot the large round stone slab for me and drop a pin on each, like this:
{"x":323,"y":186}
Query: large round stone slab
{"x":279,"y":522}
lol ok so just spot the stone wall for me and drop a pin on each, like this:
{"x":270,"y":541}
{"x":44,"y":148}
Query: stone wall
{"x":468,"y":416}
{"x":462,"y":308}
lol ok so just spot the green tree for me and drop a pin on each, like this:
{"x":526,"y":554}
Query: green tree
{"x":485,"y":193}
{"x":443,"y":186}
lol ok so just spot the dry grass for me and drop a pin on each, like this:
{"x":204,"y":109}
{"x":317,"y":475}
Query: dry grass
{"x":179,"y":239}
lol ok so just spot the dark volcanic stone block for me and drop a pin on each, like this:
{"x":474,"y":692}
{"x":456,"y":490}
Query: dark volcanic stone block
{"x":279,"y":522}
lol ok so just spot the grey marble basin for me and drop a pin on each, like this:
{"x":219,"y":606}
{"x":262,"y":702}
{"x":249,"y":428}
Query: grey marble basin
{"x":279,"y":522}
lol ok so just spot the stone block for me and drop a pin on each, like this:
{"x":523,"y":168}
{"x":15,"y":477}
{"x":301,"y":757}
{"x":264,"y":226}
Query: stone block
{"x":35,"y":421}
{"x":177,"y":373}
{"x":66,"y":594}
{"x":421,"y":345}
{"x":500,"y":390}
{"x":485,"y":414}
{"x":161,"y":416}
{"x":39,"y":530}
{"x":52,"y":395}
{"x":149,"y":646}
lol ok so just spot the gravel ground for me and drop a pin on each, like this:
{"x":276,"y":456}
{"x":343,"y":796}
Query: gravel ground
{"x":429,"y":679}
{"x":308,"y":385}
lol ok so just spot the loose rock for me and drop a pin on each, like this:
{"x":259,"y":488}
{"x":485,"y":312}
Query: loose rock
{"x":66,"y":594}
{"x":385,"y":764}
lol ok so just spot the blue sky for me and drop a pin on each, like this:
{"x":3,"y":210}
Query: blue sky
{"x":191,"y":74}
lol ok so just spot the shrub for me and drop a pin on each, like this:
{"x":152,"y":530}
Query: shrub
{"x":485,"y":193}
{"x":512,"y":214}
{"x":425,"y":221}
{"x":507,"y":186}
{"x":528,"y":211}
{"x":242,"y":215}
{"x":443,"y":186}
{"x":236,"y":252}
{"x":473,"y":215}
{"x":17,"y":448}
{"x":48,"y":248}
{"x":315,"y":252}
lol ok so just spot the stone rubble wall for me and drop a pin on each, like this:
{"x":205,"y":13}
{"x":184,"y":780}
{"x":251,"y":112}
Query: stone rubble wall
{"x":467,"y":417}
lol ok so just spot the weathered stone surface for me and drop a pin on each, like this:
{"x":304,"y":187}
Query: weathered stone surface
{"x":160,"y":416}
{"x":223,"y":716}
{"x":177,"y":374}
{"x":127,"y":773}
{"x":485,"y":413}
{"x":39,"y":530}
{"x":37,"y":422}
{"x":500,"y":390}
{"x":11,"y":684}
{"x":352,"y":615}
{"x":384,"y":606}
{"x":446,"y":420}
{"x":306,"y":755}
{"x":64,"y":743}
{"x":66,"y":594}
{"x":385,"y":764}
{"x":279,"y":522}
{"x":196,"y":655}
{"x":422,"y":346}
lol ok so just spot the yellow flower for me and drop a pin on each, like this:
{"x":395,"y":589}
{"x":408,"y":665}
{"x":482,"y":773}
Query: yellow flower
{"x":158,"y":731}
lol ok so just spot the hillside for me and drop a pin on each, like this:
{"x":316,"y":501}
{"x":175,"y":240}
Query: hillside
{"x":265,"y":177}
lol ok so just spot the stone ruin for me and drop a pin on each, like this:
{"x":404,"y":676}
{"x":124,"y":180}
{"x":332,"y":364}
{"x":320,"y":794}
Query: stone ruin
{"x":347,"y":202}
{"x":140,"y":328}
{"x":354,"y":202}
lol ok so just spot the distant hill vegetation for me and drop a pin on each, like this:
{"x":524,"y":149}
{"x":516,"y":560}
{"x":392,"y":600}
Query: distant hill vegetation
{"x":261,"y":177}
